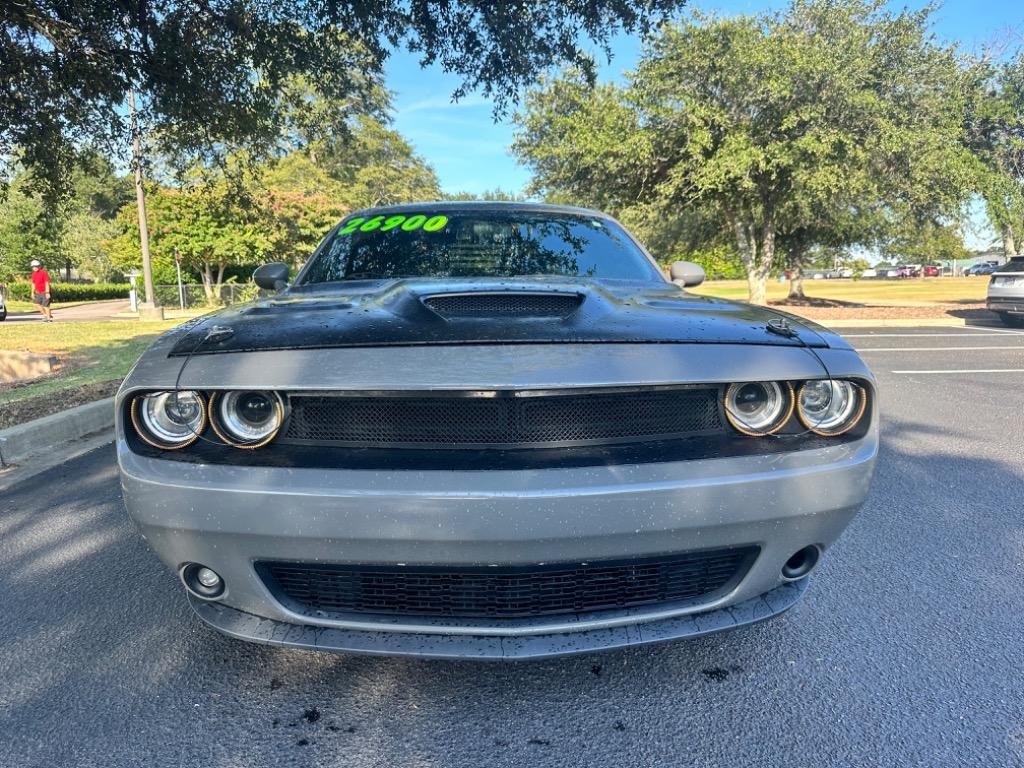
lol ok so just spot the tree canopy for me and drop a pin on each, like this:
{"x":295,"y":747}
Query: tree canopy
{"x":223,"y":221}
{"x":996,"y":134}
{"x":233,"y":74}
{"x":815,"y":123}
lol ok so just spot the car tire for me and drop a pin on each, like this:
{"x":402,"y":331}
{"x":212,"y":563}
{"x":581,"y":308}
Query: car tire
{"x":1013,"y":321}
{"x":3,"y":315}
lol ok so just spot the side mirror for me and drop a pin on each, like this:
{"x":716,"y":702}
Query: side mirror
{"x":686,"y":273}
{"x":272,"y":276}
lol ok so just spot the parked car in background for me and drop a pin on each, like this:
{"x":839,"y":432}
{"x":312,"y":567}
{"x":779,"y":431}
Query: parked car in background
{"x":3,"y":309}
{"x":830,"y":274}
{"x":931,"y":270}
{"x":869,"y":273}
{"x":985,"y":268}
{"x":1006,"y":292}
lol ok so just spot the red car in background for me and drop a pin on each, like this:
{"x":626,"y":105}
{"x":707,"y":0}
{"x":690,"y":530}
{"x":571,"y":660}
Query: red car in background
{"x":931,"y":270}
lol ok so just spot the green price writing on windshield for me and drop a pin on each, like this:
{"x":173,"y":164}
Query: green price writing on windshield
{"x":387,"y":223}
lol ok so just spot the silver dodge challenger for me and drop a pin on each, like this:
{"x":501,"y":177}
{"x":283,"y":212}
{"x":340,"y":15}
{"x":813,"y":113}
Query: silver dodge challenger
{"x":492,"y":430}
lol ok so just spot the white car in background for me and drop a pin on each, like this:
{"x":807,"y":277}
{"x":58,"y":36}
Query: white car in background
{"x":1006,"y":292}
{"x":869,"y":273}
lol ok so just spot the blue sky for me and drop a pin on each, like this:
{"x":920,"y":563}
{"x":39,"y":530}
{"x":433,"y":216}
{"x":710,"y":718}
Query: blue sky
{"x":469,"y":151}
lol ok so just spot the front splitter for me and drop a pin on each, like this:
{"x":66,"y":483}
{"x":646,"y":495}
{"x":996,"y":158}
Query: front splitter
{"x":246,"y":626}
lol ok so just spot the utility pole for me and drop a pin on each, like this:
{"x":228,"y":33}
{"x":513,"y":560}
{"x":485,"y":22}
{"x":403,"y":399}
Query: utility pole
{"x":148,"y":309}
{"x":181,"y":288}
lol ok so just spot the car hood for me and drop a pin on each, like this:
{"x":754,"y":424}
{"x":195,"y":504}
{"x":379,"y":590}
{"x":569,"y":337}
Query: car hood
{"x":431,"y":312}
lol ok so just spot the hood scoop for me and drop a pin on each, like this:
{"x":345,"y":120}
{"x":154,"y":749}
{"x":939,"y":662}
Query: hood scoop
{"x":477,"y":311}
{"x":503,"y":304}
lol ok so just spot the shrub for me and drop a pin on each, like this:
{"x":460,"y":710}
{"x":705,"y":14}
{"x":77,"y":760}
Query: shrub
{"x":21,"y":290}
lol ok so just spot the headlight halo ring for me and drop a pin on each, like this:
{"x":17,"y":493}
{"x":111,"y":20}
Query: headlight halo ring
{"x":224,"y":434}
{"x":852,"y":421}
{"x":145,"y":434}
{"x":785,"y":388}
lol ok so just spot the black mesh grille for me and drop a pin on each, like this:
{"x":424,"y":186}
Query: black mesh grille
{"x":506,"y":421}
{"x":504,"y":593}
{"x":507,"y":304}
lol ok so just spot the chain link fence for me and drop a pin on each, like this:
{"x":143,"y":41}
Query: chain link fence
{"x":193,"y":295}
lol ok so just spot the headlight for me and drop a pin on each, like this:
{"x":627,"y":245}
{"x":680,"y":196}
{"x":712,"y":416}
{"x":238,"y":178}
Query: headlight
{"x":759,"y":408}
{"x":169,"y":420}
{"x":830,"y":407}
{"x":247,"y":419}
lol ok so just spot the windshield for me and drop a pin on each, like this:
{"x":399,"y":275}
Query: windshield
{"x":478,"y":244}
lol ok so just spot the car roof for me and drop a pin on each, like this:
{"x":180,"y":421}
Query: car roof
{"x":483,"y":205}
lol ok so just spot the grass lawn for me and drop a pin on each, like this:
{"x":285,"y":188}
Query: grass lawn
{"x":91,"y":352}
{"x":911,"y":291}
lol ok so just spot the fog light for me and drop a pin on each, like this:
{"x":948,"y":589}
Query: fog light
{"x":207,"y":578}
{"x":202,"y":581}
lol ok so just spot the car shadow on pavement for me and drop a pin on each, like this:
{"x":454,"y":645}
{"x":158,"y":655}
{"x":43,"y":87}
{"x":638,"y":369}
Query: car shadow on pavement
{"x":905,"y":650}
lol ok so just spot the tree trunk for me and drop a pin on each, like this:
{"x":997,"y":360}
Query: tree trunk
{"x":207,"y":276}
{"x":1009,"y":242}
{"x":220,"y":278}
{"x":757,"y":254}
{"x":140,"y":202}
{"x":796,"y":280}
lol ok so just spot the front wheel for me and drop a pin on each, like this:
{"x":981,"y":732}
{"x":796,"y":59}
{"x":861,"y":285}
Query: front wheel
{"x":1014,"y":321}
{"x":3,"y":315}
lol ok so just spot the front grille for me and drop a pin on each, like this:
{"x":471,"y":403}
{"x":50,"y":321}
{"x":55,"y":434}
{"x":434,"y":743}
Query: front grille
{"x":504,"y":304}
{"x":504,"y":420}
{"x":504,"y":592}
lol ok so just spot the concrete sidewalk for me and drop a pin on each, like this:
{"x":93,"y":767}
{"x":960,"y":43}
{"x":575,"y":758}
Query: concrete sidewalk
{"x":89,"y":310}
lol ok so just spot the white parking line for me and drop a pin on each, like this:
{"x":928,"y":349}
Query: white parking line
{"x":974,"y":370}
{"x":964,"y":332}
{"x":936,"y":349}
{"x":1004,"y":330}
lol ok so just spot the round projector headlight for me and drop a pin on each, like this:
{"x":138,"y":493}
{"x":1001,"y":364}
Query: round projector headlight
{"x":247,"y":419}
{"x":759,"y":408}
{"x":830,"y":407}
{"x":169,"y":420}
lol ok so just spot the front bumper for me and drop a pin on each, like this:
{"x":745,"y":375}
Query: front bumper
{"x":228,"y":518}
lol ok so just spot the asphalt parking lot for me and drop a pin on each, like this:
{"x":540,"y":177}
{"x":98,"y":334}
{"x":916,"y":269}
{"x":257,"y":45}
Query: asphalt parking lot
{"x":906,"y":651}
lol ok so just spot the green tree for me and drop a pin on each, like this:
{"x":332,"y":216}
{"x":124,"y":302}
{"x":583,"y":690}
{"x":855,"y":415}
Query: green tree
{"x":98,"y":192}
{"x":84,"y":243}
{"x":210,"y":233}
{"x":926,"y":242}
{"x":225,"y":73}
{"x":379,"y":167}
{"x":295,"y":224}
{"x":996,"y":135}
{"x":371,"y":165}
{"x":493,"y":195}
{"x":775,"y":126}
{"x":27,"y":231}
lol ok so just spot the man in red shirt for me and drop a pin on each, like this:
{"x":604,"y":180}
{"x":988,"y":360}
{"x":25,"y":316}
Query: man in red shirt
{"x":41,"y":290}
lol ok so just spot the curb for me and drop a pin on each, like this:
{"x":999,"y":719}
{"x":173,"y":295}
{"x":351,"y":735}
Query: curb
{"x":55,"y":434}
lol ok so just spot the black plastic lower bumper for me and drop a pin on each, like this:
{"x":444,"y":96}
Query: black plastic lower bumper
{"x":1011,"y":306}
{"x":246,"y":626}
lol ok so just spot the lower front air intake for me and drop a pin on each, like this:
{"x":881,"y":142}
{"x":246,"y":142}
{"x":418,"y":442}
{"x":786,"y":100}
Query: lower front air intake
{"x":505,"y":592}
